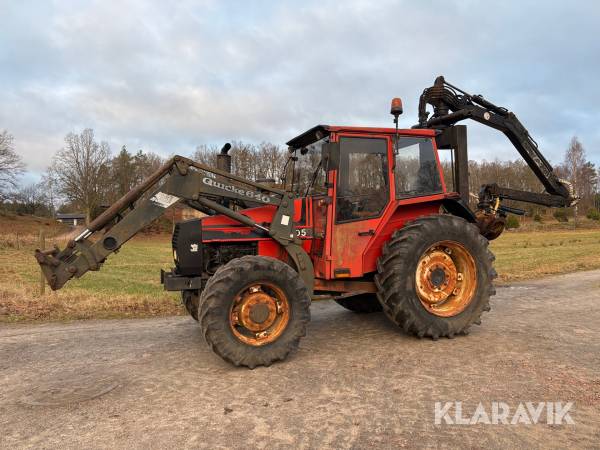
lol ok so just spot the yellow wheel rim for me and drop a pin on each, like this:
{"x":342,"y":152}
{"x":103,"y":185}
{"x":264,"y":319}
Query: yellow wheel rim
{"x":446,"y":279}
{"x":259,"y":314}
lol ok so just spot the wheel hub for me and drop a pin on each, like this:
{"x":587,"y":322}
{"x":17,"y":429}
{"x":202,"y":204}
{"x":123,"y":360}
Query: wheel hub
{"x":257,"y":311}
{"x":446,"y":278}
{"x":259,"y":314}
{"x":437,"y":276}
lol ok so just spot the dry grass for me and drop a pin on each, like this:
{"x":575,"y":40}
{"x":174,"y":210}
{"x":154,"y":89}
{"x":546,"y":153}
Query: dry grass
{"x":128,"y":284}
{"x":12,"y":225}
{"x":532,"y":254}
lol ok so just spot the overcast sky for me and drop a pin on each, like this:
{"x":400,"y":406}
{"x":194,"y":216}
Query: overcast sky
{"x":168,"y":76}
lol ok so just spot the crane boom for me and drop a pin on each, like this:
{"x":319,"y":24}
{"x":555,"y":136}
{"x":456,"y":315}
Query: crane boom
{"x":452,"y":105}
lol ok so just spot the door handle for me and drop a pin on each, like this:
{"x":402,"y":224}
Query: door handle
{"x":366,"y":233}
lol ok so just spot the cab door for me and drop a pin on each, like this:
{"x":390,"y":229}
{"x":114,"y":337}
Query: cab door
{"x":362,"y":192}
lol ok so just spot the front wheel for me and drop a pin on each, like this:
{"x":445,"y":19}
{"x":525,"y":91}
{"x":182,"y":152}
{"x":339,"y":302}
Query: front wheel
{"x":254,"y":310}
{"x":435,"y":276}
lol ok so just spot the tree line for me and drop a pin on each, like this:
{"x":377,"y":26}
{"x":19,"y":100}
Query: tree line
{"x":575,"y":169}
{"x":84,"y":176}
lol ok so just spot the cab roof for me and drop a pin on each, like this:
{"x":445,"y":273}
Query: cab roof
{"x":320,"y":131}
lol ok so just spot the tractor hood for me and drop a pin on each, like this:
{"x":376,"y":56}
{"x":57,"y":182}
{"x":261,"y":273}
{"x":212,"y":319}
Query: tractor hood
{"x":221,"y":227}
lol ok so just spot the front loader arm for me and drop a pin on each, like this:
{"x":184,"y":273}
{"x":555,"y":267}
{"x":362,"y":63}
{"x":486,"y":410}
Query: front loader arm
{"x":179,"y":180}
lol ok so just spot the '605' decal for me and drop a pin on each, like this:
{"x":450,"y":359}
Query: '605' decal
{"x":304,"y":232}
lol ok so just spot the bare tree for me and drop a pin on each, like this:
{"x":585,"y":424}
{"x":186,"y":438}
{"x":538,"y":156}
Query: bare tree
{"x":206,"y":155}
{"x":271,"y":159}
{"x":574,"y":162}
{"x":573,"y":165}
{"x":50,"y":184}
{"x":31,"y":199}
{"x":11,"y":165}
{"x":244,"y":160}
{"x":82,"y":171}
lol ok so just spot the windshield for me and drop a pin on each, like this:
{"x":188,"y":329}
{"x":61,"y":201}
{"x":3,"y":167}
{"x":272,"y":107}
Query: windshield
{"x":309,"y":175}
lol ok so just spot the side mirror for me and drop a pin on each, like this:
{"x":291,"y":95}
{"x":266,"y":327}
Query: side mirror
{"x":330,"y":155}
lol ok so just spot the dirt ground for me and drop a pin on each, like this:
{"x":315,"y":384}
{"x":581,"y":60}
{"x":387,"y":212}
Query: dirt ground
{"x":356,"y":381}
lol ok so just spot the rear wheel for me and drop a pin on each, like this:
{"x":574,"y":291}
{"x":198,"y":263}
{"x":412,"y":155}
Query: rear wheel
{"x":435,"y":276}
{"x":190,"y":300}
{"x":254,"y":310}
{"x":361,"y":304}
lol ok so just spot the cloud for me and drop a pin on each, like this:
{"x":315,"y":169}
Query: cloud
{"x":168,"y":76}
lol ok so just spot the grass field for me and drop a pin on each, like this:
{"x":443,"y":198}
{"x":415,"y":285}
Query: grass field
{"x":128,"y":284}
{"x":533,"y":254}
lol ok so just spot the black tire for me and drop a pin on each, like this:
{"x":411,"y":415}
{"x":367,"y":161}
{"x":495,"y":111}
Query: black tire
{"x":361,"y":304}
{"x":217,"y":300}
{"x":191,"y":300}
{"x":396,"y":278}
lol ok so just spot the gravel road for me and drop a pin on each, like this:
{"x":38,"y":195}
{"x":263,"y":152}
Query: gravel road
{"x":356,"y":381}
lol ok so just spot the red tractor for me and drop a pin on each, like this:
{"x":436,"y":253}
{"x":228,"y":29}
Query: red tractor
{"x":363,"y":216}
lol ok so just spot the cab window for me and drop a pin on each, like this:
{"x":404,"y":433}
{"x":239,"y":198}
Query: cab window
{"x":416,"y":171}
{"x":362,"y":184}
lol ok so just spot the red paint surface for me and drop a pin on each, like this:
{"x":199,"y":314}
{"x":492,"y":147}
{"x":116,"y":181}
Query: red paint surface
{"x":341,"y":246}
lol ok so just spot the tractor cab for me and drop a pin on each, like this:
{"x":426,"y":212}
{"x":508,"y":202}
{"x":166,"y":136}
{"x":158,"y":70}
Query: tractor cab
{"x":369,"y":181}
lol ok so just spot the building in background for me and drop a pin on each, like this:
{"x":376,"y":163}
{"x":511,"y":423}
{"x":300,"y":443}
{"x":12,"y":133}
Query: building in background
{"x":72,"y":219}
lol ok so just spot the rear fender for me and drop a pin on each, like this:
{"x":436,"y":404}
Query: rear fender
{"x":457,"y":207}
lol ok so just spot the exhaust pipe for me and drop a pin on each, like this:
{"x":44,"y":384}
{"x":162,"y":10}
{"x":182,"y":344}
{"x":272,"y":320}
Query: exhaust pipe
{"x":224,"y":159}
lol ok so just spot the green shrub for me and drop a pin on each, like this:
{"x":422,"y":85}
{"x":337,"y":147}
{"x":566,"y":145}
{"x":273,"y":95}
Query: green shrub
{"x":561,"y":215}
{"x":537,"y":218}
{"x":512,"y":222}
{"x":593,"y":214}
